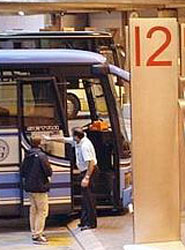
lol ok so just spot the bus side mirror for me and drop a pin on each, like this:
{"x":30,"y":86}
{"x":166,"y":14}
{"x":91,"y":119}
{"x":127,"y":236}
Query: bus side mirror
{"x":123,"y":74}
{"x":106,"y":69}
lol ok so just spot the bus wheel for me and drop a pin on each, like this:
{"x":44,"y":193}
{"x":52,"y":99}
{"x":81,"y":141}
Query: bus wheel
{"x":73,"y":106}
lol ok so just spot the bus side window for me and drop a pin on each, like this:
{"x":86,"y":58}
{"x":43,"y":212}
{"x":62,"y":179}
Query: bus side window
{"x":8,"y":103}
{"x":41,"y":113}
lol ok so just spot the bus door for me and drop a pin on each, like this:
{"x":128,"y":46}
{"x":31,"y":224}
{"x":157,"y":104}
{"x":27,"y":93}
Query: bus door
{"x":97,"y":124}
{"x":42,"y":113}
{"x":9,"y":147}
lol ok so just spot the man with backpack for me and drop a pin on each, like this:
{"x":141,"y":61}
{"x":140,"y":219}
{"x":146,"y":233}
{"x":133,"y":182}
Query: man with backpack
{"x":36,"y":172}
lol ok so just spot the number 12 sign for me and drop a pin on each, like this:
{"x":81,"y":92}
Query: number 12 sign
{"x":150,"y":34}
{"x":153,"y":55}
{"x":153,"y":41}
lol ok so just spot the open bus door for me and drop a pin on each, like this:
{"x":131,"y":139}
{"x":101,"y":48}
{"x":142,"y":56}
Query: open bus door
{"x":101,"y":124}
{"x":35,"y":108}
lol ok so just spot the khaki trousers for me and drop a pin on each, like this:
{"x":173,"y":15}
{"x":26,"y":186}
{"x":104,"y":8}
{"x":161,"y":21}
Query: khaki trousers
{"x":38,"y":212}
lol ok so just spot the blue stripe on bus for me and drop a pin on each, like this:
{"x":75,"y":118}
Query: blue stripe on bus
{"x":58,"y":177}
{"x":57,"y":192}
{"x":7,"y":193}
{"x":9,"y":185}
{"x":9,"y":178}
{"x":15,"y":192}
{"x":17,"y":185}
{"x":9,"y":134}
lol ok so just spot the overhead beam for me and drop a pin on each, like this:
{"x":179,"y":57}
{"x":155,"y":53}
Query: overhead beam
{"x":56,"y":6}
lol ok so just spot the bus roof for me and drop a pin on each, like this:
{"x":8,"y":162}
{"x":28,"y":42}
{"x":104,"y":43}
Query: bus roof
{"x":50,"y":56}
{"x":62,"y":34}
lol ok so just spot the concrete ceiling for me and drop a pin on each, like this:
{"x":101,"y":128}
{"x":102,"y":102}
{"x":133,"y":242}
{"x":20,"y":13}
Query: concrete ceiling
{"x":72,"y":6}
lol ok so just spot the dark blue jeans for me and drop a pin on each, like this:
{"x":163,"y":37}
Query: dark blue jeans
{"x":88,"y":203}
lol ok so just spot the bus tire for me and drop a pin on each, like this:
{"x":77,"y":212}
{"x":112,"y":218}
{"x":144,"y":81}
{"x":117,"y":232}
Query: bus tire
{"x":73,"y":106}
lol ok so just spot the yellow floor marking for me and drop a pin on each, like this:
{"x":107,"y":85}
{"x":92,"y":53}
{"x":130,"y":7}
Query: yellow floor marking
{"x":60,"y":239}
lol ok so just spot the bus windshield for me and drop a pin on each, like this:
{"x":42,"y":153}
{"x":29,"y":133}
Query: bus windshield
{"x":94,"y":106}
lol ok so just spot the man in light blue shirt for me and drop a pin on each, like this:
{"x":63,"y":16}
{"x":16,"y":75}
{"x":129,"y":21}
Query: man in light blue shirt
{"x":86,"y":162}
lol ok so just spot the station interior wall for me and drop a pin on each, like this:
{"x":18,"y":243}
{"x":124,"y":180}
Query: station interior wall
{"x":34,"y":22}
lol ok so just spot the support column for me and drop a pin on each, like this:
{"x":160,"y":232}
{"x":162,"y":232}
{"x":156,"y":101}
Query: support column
{"x":155,"y":156}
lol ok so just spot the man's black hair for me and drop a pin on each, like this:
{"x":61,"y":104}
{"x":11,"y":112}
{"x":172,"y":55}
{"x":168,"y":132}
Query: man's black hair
{"x":77,"y":131}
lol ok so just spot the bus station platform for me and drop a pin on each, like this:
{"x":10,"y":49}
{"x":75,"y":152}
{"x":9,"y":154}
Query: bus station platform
{"x":112,"y":233}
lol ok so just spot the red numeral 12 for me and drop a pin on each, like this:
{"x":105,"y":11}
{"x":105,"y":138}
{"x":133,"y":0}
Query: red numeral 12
{"x":151,"y":60}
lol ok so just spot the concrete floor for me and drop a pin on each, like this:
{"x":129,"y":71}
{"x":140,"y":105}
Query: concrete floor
{"x":111,"y":234}
{"x":22,"y":241}
{"x":114,"y":232}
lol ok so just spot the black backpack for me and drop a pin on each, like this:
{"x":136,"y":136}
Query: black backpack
{"x":33,"y":174}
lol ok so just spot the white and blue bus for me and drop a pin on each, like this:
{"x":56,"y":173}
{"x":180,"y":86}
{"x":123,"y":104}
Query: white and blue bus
{"x":33,"y":100}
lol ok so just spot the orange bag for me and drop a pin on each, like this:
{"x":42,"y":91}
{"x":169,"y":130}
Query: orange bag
{"x":99,"y":126}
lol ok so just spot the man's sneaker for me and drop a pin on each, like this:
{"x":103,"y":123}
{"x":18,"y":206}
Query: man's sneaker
{"x":40,"y":240}
{"x":36,"y":236}
{"x":88,"y":227}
